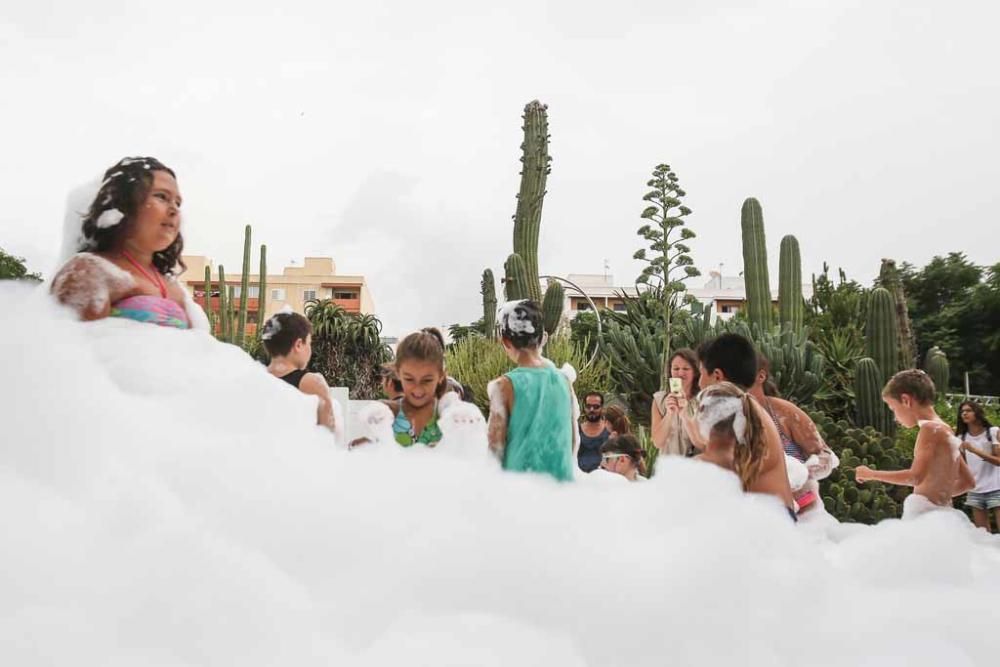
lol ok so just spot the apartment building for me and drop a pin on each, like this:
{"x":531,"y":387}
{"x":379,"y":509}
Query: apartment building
{"x":315,"y":278}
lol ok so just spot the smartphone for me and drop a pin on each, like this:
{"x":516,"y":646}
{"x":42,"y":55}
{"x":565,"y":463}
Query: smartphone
{"x":676,"y":386}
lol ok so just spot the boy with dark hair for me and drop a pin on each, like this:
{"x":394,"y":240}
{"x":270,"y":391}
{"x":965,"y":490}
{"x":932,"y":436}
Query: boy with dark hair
{"x":938,"y":472}
{"x":287,"y":337}
{"x":732,"y":358}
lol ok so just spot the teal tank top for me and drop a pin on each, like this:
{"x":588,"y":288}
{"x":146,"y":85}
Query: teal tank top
{"x":540,"y":429}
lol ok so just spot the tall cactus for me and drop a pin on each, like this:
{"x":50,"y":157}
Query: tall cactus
{"x":881,"y":335}
{"x":516,"y":279}
{"x":888,"y":278}
{"x":534,"y":173}
{"x":489,"y":291}
{"x":262,"y":292}
{"x":936,"y":365}
{"x":755,"y":277}
{"x":868,"y":384}
{"x":231,"y":314}
{"x":552,"y":306}
{"x":244,"y":289}
{"x":790,"y":303}
{"x":208,"y":296}
{"x":224,"y":333}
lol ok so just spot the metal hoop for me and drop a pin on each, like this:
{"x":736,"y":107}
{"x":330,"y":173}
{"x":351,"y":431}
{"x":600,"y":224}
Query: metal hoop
{"x":593,"y":306}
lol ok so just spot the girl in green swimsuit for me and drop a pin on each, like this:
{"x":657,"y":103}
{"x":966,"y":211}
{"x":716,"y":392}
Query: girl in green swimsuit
{"x":532,"y":426}
{"x":420,"y":367}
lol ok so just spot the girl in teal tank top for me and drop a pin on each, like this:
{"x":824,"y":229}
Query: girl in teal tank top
{"x":531,"y":425}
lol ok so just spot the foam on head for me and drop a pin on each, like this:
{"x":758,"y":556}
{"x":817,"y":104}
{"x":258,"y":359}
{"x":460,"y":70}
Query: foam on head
{"x":521,"y":322}
{"x":715,"y":408}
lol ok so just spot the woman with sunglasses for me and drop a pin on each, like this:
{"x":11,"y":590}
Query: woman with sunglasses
{"x":624,"y":455}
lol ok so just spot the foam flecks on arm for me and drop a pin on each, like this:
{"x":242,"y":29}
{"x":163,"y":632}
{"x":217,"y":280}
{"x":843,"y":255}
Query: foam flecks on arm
{"x":90,"y":284}
{"x":496,"y":427}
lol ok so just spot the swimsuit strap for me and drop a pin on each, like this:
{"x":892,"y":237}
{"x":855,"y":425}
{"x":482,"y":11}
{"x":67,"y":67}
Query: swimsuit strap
{"x":153,"y":278}
{"x":781,"y":432}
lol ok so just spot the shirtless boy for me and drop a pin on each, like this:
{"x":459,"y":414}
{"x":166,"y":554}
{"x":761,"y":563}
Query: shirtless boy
{"x":938,"y":473}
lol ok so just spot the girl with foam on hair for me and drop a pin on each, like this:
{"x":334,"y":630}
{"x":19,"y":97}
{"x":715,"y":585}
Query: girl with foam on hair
{"x":532,"y":426}
{"x":732,"y":432}
{"x":129,"y":250}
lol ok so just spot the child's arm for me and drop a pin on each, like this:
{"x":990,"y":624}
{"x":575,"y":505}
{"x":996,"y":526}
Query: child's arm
{"x":90,"y":284}
{"x":662,"y":424}
{"x":909,"y":477}
{"x":501,"y":395}
{"x":315,"y":385}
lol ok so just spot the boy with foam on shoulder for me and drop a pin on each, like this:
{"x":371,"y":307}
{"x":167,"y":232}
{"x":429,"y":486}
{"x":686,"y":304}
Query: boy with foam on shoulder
{"x":938,"y":473}
{"x":287,"y":336}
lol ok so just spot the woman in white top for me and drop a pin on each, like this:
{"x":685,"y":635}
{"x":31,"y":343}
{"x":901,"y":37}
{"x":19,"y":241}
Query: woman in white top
{"x":981,"y":449}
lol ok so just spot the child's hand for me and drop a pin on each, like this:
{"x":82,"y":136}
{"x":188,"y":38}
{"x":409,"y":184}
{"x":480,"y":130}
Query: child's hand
{"x":863,"y":474}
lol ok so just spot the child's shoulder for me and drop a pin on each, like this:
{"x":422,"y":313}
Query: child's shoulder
{"x":934,"y":432}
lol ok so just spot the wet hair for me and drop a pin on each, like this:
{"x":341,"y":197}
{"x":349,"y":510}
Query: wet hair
{"x":593,"y":393}
{"x":388,"y":372}
{"x":748,"y":455}
{"x":615,"y":416}
{"x":521,"y":323}
{"x":688,"y":355}
{"x":629,"y":445}
{"x":426,"y":345}
{"x":467,"y":394}
{"x":913,"y":382}
{"x":734,"y":355}
{"x":769,"y":388}
{"x":282,"y":330}
{"x":961,"y":428}
{"x":125,"y":188}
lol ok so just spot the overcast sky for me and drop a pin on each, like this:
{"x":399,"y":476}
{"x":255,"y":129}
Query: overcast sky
{"x":386,"y":134}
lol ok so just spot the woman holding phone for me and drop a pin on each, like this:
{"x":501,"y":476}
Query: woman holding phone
{"x":668,"y":435}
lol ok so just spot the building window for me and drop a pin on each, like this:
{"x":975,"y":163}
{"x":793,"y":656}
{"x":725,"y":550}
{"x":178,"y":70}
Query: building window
{"x":254,"y":291}
{"x":583,"y":305}
{"x":277,"y":295}
{"x":730,"y":309}
{"x":345,"y":295}
{"x":308,"y":295}
{"x":619,"y":307}
{"x":236,"y":290}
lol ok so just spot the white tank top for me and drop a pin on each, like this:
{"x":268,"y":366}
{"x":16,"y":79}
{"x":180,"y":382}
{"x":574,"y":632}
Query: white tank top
{"x":987,"y":475}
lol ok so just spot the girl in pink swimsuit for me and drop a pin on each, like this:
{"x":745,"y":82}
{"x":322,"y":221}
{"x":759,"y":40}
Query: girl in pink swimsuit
{"x":130,"y":246}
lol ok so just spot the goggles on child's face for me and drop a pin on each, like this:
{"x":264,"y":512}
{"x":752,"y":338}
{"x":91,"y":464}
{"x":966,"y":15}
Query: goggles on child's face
{"x":611,"y":457}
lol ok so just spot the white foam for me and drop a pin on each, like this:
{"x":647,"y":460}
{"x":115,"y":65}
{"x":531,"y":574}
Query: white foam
{"x":512,"y":320}
{"x":109,"y":218}
{"x":165,"y":501}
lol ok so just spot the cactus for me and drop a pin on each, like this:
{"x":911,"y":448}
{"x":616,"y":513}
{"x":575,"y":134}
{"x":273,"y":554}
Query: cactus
{"x":244,"y":289}
{"x":517,"y":280}
{"x":881,"y":334}
{"x":755,"y":277}
{"x":208,"y":296}
{"x":790,"y":303}
{"x":487,"y":287}
{"x":230,"y":314}
{"x":868,"y":382}
{"x":262,"y":292}
{"x":223,"y":306}
{"x":936,"y":365}
{"x":534,"y":173}
{"x":889,"y":279}
{"x":552,"y":306}
{"x":796,"y":363}
{"x":841,"y":494}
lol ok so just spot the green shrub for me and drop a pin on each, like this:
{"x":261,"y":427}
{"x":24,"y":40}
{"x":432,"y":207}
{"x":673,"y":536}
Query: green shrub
{"x":476,"y":360}
{"x":843,"y":497}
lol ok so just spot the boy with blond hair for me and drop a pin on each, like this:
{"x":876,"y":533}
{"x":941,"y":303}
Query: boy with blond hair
{"x":938,"y":473}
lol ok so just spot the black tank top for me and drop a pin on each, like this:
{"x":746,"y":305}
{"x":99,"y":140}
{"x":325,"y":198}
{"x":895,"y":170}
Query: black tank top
{"x":294,"y":378}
